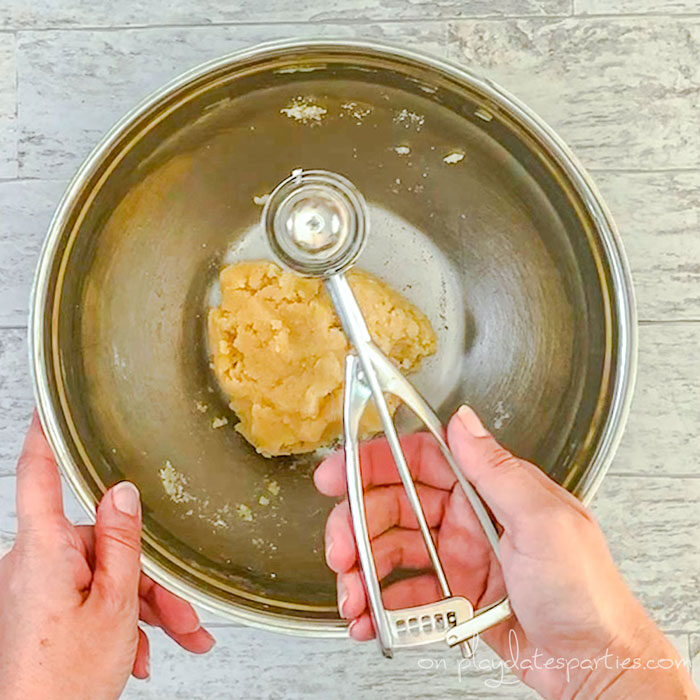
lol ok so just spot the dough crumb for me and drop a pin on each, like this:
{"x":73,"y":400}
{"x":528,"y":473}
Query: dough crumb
{"x":502,"y":416}
{"x":273,"y":487}
{"x":454,"y":157}
{"x":219,"y":422}
{"x":244,"y":512}
{"x":278,"y":352}
{"x":175,"y":484}
{"x":402,"y":150}
{"x":201,"y":407}
{"x":357,"y":111}
{"x":304,"y":111}
{"x":409,"y":119}
{"x":261,"y":200}
{"x":264,"y":501}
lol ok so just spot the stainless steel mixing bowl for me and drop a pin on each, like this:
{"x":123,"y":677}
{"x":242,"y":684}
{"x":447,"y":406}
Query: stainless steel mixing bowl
{"x":509,"y":250}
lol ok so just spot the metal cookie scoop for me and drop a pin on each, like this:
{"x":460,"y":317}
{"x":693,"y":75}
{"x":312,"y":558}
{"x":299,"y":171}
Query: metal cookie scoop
{"x":317,"y":223}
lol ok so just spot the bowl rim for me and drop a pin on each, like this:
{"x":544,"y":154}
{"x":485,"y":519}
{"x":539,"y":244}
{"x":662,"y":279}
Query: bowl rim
{"x":624,"y":296}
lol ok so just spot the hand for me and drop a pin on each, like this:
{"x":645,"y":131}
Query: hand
{"x":570,"y":603}
{"x":72,"y":596}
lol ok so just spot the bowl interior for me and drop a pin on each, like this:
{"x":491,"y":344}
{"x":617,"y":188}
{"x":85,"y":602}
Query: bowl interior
{"x":496,"y":248}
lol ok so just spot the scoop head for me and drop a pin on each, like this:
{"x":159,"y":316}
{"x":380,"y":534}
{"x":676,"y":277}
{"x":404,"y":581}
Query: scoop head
{"x":316,"y":222}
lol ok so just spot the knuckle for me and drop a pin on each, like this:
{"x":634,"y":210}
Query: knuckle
{"x":338,"y":517}
{"x":38,"y":535}
{"x":23,"y":464}
{"x":395,"y":508}
{"x":500,"y":459}
{"x":27,"y":463}
{"x":122,"y":538}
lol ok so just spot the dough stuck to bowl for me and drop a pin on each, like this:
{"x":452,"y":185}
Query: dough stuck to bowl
{"x":278,"y":352}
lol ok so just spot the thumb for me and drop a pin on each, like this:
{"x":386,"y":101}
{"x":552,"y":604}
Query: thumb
{"x":513,"y":489}
{"x":118,"y":547}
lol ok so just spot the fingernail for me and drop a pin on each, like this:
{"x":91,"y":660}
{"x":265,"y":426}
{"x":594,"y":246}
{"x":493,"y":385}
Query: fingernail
{"x":342,"y":598}
{"x":148,"y":669}
{"x":471,"y":421}
{"x":126,"y":498}
{"x":351,"y":627}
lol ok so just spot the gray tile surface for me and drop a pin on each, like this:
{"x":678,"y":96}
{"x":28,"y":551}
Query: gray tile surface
{"x":324,"y":669}
{"x":682,"y":644}
{"x":695,"y":657}
{"x":623,"y":92}
{"x":658,"y":216}
{"x":620,"y":81}
{"x":77,"y":13}
{"x":8,"y":516}
{"x":662,"y":434}
{"x":639,"y":7}
{"x":254,"y":664}
{"x":26,"y":207}
{"x":8,"y":106}
{"x":16,"y":399}
{"x":652,"y":525}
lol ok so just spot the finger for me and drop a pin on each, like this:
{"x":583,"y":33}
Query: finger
{"x":403,"y":594}
{"x":39,"y":500}
{"x":361,"y":629}
{"x":118,"y":548}
{"x":198,"y":642}
{"x":463,"y":540}
{"x":378,"y":468}
{"x":513,"y":488}
{"x":464,"y":546}
{"x":400,"y":548}
{"x":386,"y":507}
{"x":412,"y":591}
{"x":352,"y":600}
{"x":174,"y":614}
{"x":142,"y":663}
{"x":395,"y":549}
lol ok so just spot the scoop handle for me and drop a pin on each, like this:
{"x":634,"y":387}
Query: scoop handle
{"x":369,"y":374}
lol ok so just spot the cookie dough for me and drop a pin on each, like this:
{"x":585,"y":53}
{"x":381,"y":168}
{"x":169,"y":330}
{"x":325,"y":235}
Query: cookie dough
{"x":278,"y":352}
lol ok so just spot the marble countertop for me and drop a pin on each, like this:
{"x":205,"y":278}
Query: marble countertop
{"x":618,"y":79}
